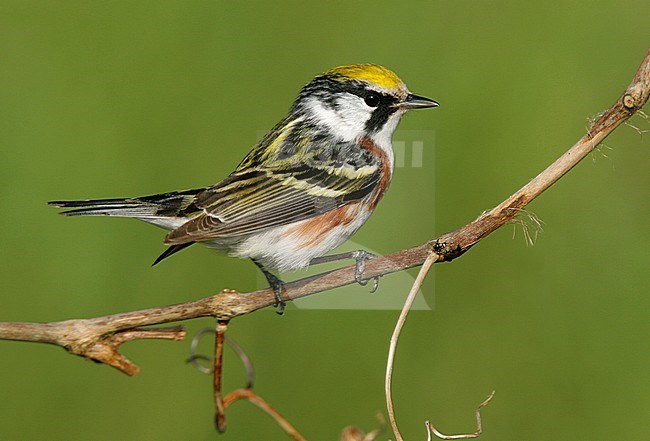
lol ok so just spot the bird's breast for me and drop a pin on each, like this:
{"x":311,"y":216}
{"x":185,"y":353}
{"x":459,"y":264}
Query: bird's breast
{"x":384,"y":158}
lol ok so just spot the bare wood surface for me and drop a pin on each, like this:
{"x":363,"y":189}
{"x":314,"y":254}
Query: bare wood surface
{"x":99,"y":338}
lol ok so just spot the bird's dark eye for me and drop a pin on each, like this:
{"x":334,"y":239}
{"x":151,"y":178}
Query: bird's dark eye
{"x":372,"y":99}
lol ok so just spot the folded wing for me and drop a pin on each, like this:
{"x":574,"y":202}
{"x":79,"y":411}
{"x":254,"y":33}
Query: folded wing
{"x":253,"y":200}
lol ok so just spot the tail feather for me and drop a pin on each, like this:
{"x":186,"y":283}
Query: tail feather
{"x":171,"y":250}
{"x":107,"y":207}
{"x":166,"y":210}
{"x":174,"y":204}
{"x":89,"y":202}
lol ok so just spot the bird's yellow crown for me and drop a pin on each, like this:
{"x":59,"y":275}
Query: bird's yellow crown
{"x":371,"y":73}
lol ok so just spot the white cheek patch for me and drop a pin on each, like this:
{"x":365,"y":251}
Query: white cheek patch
{"x":347,"y":121}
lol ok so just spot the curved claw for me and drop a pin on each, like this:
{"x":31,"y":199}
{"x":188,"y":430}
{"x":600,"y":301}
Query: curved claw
{"x":360,"y":257}
{"x":276,"y":285}
{"x":280,"y":304}
{"x":375,"y":284}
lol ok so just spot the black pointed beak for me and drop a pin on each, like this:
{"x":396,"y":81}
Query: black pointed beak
{"x":417,"y":102}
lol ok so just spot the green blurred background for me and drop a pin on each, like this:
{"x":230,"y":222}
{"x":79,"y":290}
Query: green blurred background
{"x":107,"y":99}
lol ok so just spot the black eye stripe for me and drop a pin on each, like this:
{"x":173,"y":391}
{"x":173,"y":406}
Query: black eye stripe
{"x":326,"y":88}
{"x":364,"y":94}
{"x":362,"y":91}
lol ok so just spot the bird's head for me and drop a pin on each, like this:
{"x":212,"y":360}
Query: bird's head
{"x":358,"y":100}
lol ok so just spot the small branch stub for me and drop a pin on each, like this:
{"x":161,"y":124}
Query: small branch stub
{"x":479,"y":427}
{"x":106,"y":348}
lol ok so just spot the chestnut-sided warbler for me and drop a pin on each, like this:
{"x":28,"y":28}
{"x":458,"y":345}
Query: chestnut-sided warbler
{"x":306,"y":187}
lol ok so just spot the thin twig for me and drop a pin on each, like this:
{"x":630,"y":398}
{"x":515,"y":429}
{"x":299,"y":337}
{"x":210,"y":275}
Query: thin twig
{"x":249,"y":395}
{"x":431,"y":259}
{"x":479,"y":427}
{"x":410,"y":298}
{"x":195,"y":357}
{"x":219,"y":407}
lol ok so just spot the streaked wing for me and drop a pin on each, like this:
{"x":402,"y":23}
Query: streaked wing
{"x":252,"y":200}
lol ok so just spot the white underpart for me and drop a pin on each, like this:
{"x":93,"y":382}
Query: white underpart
{"x":275,"y":249}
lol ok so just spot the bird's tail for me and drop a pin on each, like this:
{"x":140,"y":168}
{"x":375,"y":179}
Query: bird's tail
{"x":166,"y":210}
{"x":147,"y":208}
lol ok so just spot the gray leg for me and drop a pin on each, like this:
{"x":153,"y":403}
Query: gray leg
{"x":360,"y":256}
{"x":276,"y":284}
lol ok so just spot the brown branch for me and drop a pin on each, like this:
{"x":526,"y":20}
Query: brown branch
{"x":219,"y":406}
{"x":250,"y":396}
{"x":91,"y":338}
{"x":221,"y":403}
